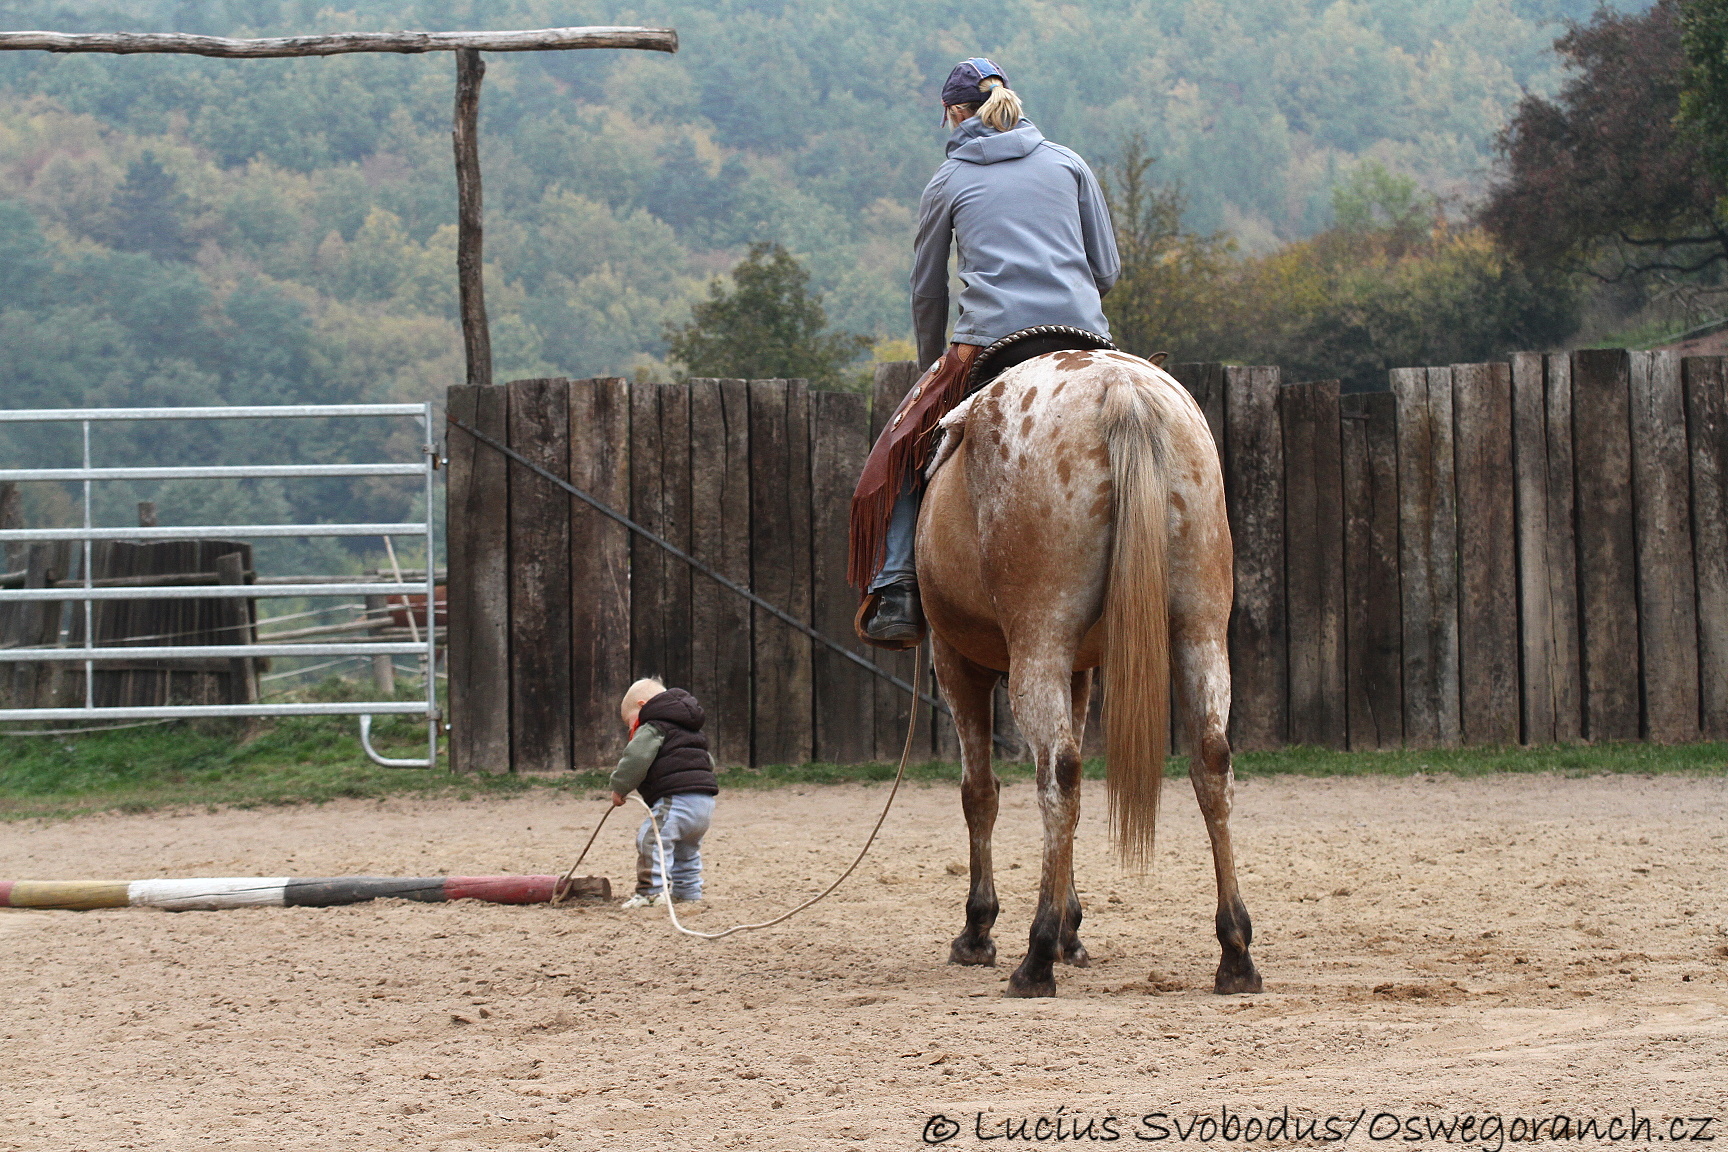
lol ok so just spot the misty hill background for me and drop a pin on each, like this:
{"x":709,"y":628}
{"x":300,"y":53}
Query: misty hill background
{"x":180,"y":230}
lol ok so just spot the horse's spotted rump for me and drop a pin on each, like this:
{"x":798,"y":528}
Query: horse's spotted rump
{"x":1027,"y":397}
{"x":1064,"y":470}
{"x":1026,"y":426}
{"x":1072,"y":360}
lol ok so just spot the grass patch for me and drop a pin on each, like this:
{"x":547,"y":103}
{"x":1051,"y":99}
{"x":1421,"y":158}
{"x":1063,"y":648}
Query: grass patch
{"x":316,"y":759}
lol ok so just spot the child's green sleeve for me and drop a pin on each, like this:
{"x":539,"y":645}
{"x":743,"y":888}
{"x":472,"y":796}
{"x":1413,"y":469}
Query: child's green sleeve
{"x":637,"y":759}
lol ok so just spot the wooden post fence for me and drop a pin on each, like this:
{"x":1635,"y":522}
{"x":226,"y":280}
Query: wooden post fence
{"x":1532,"y":551}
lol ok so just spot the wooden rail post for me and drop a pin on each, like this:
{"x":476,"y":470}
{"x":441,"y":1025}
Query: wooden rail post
{"x":1607,"y":548}
{"x":720,"y":537}
{"x":1314,"y":562}
{"x":782,"y":719}
{"x":598,"y":566}
{"x":465,"y":136}
{"x":1374,"y":644}
{"x":540,"y":520}
{"x":1254,"y":490}
{"x":1489,"y":693}
{"x":1662,"y":514}
{"x":844,"y":693}
{"x":237,"y":629}
{"x":477,"y":538}
{"x":1428,"y":555}
{"x":1707,"y":429}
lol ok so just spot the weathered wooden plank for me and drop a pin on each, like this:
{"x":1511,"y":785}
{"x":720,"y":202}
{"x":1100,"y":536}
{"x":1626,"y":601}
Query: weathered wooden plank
{"x":720,"y":537}
{"x":1489,"y":692}
{"x":1314,"y":562}
{"x":478,"y":613}
{"x":237,"y":619}
{"x":679,"y":581}
{"x":782,"y":722}
{"x":845,"y":694}
{"x":1254,"y":491}
{"x":891,"y":383}
{"x":1706,"y":384}
{"x":1373,"y":660}
{"x":1530,"y":500}
{"x":526,"y":40}
{"x":1607,"y":553}
{"x":1205,"y":382}
{"x":1427,"y":555}
{"x":599,"y":564}
{"x":540,"y":591}
{"x":1662,"y":518}
{"x":1567,"y":660}
{"x":649,"y":570}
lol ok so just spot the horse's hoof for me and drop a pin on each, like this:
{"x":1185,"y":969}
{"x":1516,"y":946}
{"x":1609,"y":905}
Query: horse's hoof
{"x":963,"y":951}
{"x":1022,"y":988}
{"x":1077,"y":956}
{"x":1236,"y":978}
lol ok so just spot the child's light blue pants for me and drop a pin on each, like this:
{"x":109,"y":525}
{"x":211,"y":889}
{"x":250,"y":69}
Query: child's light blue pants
{"x":684,"y":818}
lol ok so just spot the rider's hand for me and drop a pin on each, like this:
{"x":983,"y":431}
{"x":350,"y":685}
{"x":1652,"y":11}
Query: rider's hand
{"x":617,"y":799}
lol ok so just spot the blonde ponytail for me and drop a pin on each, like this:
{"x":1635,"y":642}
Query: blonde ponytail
{"x":1001,"y":110}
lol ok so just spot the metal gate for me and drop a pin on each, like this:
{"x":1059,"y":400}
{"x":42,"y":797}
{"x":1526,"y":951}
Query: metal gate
{"x":88,"y":475}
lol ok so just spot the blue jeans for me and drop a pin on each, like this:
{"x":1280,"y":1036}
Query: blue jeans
{"x":898,"y":563}
{"x":684,"y":818}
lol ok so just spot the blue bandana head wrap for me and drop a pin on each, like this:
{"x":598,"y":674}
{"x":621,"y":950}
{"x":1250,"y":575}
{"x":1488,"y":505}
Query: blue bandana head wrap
{"x":961,"y":86}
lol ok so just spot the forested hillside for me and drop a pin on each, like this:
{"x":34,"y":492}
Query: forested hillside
{"x":185,"y":230}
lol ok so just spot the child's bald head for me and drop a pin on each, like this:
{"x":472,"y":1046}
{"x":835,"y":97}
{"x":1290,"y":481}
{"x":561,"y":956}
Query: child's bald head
{"x":639,"y":694}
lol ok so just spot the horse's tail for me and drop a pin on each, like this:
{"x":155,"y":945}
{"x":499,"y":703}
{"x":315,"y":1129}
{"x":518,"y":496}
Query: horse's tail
{"x":1136,"y":618}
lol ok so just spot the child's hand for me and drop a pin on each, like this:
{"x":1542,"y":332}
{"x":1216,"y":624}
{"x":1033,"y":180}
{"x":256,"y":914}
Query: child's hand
{"x":617,"y":799}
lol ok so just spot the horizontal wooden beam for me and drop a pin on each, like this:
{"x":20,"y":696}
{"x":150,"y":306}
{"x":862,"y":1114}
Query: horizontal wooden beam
{"x":534,"y":40}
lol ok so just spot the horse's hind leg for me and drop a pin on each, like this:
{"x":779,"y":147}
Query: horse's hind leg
{"x":1203,"y":677}
{"x":968,"y":689}
{"x":1041,"y":691}
{"x":1074,"y":952}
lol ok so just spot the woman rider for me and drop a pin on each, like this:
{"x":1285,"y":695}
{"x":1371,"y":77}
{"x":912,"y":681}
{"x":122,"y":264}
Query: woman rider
{"x":1035,"y":248}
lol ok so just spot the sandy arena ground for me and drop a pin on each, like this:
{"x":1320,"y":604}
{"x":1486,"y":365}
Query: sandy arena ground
{"x":1521,"y":946}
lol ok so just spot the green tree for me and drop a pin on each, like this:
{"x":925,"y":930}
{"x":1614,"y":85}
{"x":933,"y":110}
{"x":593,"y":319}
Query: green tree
{"x":769,"y":326}
{"x":1371,"y":199}
{"x":1168,"y":298}
{"x":148,"y":207}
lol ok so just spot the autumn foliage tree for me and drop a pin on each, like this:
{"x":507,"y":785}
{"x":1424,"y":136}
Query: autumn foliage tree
{"x":1604,"y":177}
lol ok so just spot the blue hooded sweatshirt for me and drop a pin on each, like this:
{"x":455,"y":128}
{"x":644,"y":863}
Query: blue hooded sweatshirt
{"x":1032,"y":235}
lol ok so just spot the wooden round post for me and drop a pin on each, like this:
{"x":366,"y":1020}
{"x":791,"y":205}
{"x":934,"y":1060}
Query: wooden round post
{"x":476,"y":341}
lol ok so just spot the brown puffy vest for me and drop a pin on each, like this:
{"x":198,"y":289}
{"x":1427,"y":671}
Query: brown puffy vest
{"x":683,"y":764}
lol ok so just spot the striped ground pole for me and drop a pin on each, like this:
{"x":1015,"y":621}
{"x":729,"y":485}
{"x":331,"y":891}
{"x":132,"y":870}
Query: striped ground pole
{"x":208,"y":893}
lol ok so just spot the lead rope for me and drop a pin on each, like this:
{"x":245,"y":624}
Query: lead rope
{"x":899,"y":774}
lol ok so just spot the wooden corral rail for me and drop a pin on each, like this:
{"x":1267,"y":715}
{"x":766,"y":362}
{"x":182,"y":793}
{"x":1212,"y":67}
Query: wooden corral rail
{"x":1533,"y":551}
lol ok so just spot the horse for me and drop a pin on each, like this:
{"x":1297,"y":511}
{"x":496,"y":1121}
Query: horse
{"x":1074,"y":520}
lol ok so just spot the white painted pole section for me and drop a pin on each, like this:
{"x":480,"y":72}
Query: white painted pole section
{"x":208,"y":893}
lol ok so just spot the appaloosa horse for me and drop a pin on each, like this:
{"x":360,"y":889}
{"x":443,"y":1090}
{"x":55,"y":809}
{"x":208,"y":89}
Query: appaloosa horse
{"x":1075,"y":519}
